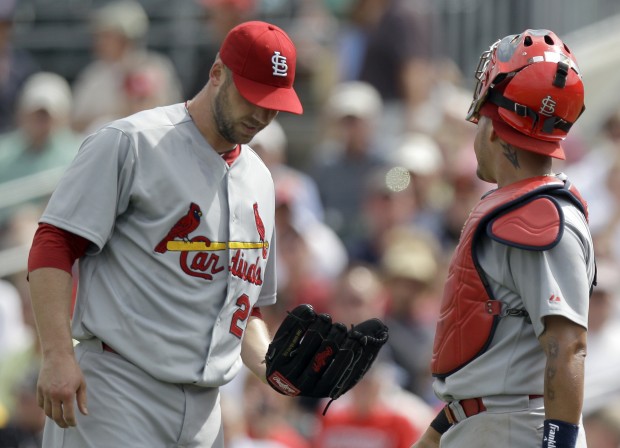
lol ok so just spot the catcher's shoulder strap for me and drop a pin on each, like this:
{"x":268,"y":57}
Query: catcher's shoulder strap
{"x":536,"y":220}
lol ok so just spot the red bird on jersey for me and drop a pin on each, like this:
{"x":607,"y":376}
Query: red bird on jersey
{"x":184,"y":226}
{"x":261,"y":229}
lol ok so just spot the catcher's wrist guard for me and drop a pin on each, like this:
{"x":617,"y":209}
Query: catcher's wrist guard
{"x":441,"y":423}
{"x":311,"y":356}
{"x":559,"y":434}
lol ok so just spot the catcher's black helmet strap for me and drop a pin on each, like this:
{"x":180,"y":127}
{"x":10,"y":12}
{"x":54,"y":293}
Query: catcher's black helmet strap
{"x":549,"y":123}
{"x":561,"y":74}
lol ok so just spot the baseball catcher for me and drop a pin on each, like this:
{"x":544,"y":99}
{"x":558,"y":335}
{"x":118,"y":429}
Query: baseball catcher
{"x":312,"y":356}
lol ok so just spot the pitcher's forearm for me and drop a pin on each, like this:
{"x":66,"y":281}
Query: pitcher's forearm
{"x":254,"y":347}
{"x":50,"y":291}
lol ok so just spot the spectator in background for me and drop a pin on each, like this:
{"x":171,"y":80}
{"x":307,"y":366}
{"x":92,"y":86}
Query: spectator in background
{"x":348,"y":155}
{"x":19,"y":367}
{"x":42,"y":142}
{"x":389,"y":45}
{"x":15,"y":335}
{"x":599,"y":172}
{"x":421,"y":156}
{"x":119,"y":31}
{"x":595,"y":165}
{"x":219,"y":17}
{"x":236,"y":427}
{"x":411,"y":268}
{"x":358,"y":295}
{"x":451,"y":98}
{"x":377,"y":412}
{"x":271,"y":145}
{"x":465,"y":190}
{"x":607,"y":233}
{"x":16,"y":66}
{"x":602,"y":382}
{"x":270,"y":418}
{"x":144,"y":87}
{"x":310,"y":253}
{"x":42,"y":139}
{"x":603,"y":426}
{"x":388,"y":202}
{"x":366,"y":420}
{"x":25,"y":427}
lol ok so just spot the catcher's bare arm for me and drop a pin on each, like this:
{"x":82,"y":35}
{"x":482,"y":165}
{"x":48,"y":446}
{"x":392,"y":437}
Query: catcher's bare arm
{"x":564,"y":343}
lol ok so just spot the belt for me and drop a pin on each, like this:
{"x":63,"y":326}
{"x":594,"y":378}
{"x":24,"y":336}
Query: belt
{"x":107,"y":348}
{"x":457,"y":411}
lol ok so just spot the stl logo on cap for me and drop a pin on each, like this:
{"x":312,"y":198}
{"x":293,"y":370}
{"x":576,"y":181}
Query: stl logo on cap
{"x":262,"y":60}
{"x":279,"y":64}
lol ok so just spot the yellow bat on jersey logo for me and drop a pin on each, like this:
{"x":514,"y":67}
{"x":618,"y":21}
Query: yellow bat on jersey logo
{"x":201,"y":246}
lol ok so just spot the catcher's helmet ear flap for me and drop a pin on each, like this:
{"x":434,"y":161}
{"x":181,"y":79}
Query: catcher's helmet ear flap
{"x":534,"y":79}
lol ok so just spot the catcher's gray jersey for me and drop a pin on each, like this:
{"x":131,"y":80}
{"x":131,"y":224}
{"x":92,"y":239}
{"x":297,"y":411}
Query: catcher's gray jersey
{"x":552,"y":282}
{"x":184,"y":245}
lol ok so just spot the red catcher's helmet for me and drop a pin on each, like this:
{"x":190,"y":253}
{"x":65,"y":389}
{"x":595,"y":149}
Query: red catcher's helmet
{"x":534,"y":80}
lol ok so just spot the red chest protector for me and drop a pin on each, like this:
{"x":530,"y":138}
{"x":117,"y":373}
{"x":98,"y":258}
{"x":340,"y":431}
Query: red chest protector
{"x":526,"y":215}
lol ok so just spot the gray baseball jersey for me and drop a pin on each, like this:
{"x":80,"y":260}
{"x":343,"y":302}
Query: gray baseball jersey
{"x":183,"y":245}
{"x":544,"y":283}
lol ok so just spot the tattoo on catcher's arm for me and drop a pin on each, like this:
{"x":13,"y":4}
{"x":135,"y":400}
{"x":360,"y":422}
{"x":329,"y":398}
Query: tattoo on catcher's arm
{"x":551,"y":370}
{"x":511,"y":154}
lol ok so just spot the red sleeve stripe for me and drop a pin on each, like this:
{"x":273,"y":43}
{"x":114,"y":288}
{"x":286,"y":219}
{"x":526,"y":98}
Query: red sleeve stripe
{"x":55,"y":248}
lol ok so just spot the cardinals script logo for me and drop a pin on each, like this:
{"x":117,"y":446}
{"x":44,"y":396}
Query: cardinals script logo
{"x":199,"y":255}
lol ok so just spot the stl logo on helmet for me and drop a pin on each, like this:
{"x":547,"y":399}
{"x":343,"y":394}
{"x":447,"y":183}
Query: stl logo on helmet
{"x":280,"y":68}
{"x":547,"y":106}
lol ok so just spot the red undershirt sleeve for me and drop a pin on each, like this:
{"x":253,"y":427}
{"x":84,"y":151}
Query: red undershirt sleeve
{"x":53,"y":247}
{"x":256,"y":312}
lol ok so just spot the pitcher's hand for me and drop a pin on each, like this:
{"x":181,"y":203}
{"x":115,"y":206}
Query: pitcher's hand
{"x":60,"y":384}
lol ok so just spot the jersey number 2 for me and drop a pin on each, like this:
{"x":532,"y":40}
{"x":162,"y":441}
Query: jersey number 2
{"x":242,"y":313}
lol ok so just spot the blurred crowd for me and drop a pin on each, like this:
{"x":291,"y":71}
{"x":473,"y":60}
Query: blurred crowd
{"x":366,"y":219}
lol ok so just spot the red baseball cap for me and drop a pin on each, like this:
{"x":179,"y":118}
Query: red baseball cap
{"x":512,"y":136}
{"x":262,"y":60}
